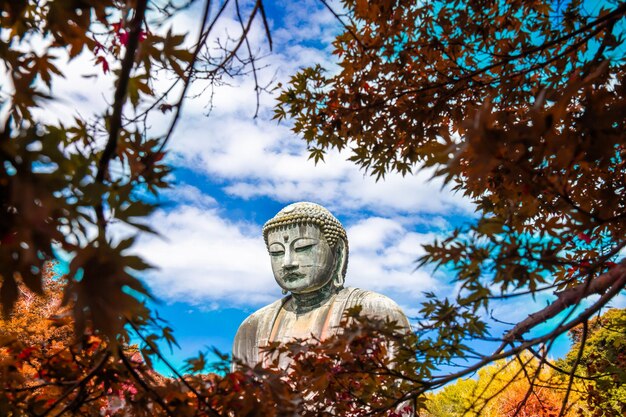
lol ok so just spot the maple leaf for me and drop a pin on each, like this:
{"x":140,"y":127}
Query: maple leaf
{"x":102,"y":61}
{"x":584,"y":237}
{"x":122,"y":37}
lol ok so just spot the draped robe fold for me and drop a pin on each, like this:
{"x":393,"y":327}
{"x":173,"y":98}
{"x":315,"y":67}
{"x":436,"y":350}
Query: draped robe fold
{"x":262,"y":327}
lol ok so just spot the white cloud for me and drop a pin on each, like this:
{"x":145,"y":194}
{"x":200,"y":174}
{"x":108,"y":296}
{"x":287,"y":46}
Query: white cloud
{"x":205,"y":258}
{"x":209,"y":260}
{"x":189,"y":195}
{"x":260,"y":158}
{"x":382,"y":258}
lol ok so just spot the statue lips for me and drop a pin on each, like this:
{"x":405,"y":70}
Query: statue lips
{"x":293,"y":276}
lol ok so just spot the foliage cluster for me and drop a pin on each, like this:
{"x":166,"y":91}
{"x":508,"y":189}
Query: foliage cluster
{"x":370,"y":369}
{"x":46,"y":370}
{"x":505,"y":389}
{"x":63,"y":182}
{"x":518,"y":105}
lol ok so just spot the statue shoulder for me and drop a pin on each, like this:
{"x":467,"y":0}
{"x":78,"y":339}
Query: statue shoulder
{"x":253,"y":332}
{"x":259,"y":317}
{"x":375,"y":304}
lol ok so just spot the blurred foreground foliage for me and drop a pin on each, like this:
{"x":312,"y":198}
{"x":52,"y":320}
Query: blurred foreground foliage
{"x":369,"y":369}
{"x":519,"y":105}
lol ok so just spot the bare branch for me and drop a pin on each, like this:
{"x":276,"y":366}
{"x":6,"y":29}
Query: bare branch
{"x":616,"y":277}
{"x":265,"y":24}
{"x":257,"y":88}
{"x":574,"y":367}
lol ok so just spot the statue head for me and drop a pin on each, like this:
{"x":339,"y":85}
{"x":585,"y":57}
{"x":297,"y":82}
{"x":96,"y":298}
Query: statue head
{"x":308,"y":248}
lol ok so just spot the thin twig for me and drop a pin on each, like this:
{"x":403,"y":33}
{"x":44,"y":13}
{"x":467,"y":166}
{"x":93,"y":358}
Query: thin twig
{"x":563,"y":371}
{"x":257,"y":88}
{"x":572,"y":374}
{"x":115,"y":121}
{"x":156,"y":350}
{"x":143,"y":384}
{"x":345,"y":26}
{"x":78,"y":384}
{"x":266,"y":25}
{"x":202,"y":36}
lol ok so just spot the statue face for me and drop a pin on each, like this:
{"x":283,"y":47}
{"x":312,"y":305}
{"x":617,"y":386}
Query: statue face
{"x":302,"y":260}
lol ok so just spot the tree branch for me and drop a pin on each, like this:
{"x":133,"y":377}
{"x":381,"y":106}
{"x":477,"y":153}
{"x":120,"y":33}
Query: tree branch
{"x":616,"y":277}
{"x":78,"y":384}
{"x":574,"y":367}
{"x":119,"y":99}
{"x":499,"y":353}
{"x":121,"y":90}
{"x":143,"y":384}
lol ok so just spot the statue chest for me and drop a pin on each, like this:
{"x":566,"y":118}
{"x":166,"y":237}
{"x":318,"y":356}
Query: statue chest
{"x":319,"y":322}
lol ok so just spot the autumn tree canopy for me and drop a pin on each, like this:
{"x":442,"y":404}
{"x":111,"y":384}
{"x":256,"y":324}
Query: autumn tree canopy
{"x":599,"y":355}
{"x":518,"y":105}
{"x":63,"y":182}
{"x":48,"y":370}
{"x":504,"y":389}
{"x":500,"y":389}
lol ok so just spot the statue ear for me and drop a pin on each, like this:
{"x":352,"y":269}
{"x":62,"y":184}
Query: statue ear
{"x":340,"y":264}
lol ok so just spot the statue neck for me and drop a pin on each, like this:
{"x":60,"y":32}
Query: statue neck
{"x":306,"y":302}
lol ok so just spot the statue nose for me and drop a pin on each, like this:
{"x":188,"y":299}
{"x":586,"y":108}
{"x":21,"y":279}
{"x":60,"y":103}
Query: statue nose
{"x":289,"y":263}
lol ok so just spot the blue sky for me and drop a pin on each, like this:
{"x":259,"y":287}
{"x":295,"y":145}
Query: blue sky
{"x":233,"y":172}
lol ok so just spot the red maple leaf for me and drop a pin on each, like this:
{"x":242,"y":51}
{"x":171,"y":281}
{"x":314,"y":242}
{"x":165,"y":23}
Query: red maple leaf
{"x":25,"y":353}
{"x":117,"y":26}
{"x":584,"y":237}
{"x":105,"y":65}
{"x":122,"y":36}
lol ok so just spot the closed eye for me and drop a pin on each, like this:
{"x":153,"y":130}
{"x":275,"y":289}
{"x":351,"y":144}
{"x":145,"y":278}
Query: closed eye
{"x":304,"y":247}
{"x":276,"y":249}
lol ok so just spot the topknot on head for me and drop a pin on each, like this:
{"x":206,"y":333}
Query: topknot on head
{"x":308,"y":213}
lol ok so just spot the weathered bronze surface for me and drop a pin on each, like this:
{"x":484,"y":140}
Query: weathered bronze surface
{"x":308,"y":248}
